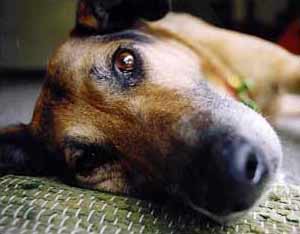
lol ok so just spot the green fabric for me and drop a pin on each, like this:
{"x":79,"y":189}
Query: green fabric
{"x":39,"y":205}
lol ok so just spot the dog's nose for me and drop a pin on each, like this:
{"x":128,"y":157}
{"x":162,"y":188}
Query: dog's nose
{"x":227,"y":174}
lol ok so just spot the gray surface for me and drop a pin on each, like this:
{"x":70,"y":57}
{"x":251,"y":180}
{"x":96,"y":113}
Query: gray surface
{"x":17,"y":99}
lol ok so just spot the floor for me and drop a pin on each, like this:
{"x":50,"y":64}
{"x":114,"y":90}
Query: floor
{"x":17,"y":99}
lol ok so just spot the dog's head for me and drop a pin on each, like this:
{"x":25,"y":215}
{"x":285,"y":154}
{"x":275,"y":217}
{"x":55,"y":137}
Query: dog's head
{"x":130,"y":111}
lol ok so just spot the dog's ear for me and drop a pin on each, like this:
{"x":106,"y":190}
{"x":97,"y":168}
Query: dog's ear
{"x":105,"y":16}
{"x":20,"y":153}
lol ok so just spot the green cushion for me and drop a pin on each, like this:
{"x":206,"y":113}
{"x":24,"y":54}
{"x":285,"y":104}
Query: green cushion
{"x":39,"y":205}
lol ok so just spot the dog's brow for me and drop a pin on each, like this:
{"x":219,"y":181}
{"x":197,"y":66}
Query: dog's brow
{"x":126,"y":35}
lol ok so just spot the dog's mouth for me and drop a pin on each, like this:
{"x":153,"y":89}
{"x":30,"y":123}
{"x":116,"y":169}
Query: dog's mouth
{"x":108,"y":177}
{"x":102,"y":173}
{"x":225,"y":214}
{"x":220,"y":219}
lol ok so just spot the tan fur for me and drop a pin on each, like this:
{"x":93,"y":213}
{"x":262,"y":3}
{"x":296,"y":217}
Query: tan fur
{"x":268,"y":66}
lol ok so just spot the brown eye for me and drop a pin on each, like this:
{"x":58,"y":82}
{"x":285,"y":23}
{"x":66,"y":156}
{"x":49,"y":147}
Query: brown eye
{"x":125,"y":61}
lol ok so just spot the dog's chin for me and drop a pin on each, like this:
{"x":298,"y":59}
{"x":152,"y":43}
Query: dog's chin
{"x":219,"y":219}
{"x":108,"y":178}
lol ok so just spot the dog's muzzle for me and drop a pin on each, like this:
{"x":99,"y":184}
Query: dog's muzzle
{"x":224,"y":173}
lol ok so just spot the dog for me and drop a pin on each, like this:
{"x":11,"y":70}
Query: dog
{"x":142,"y":102}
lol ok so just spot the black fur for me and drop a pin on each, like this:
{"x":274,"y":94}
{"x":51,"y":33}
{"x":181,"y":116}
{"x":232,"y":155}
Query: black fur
{"x":85,"y":156}
{"x":117,"y":15}
{"x":22,"y":154}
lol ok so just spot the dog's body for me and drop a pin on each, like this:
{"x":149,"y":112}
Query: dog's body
{"x":268,"y":67}
{"x":151,"y":110}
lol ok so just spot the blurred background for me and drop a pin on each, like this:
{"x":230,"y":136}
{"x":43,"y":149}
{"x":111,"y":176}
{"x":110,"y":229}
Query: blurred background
{"x":31,"y":29}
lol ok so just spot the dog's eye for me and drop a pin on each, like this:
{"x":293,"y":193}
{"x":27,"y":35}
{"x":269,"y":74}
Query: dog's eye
{"x":127,"y":67}
{"x":125,"y":61}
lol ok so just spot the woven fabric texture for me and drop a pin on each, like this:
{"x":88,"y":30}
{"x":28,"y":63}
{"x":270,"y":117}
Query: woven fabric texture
{"x":39,"y":205}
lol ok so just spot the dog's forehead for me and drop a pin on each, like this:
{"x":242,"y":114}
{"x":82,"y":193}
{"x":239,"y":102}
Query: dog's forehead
{"x":172,"y":65}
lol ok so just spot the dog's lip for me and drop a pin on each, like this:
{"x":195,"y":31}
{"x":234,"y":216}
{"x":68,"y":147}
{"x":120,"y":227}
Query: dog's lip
{"x":220,"y":219}
{"x":230,"y":217}
{"x":217,"y":218}
{"x":101,"y":174}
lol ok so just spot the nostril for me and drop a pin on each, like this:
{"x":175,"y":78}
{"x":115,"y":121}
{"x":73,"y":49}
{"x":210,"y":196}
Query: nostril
{"x":248,"y":164}
{"x":251,"y":167}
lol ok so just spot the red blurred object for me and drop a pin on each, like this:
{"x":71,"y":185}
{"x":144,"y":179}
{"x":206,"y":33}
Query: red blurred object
{"x":291,"y":37}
